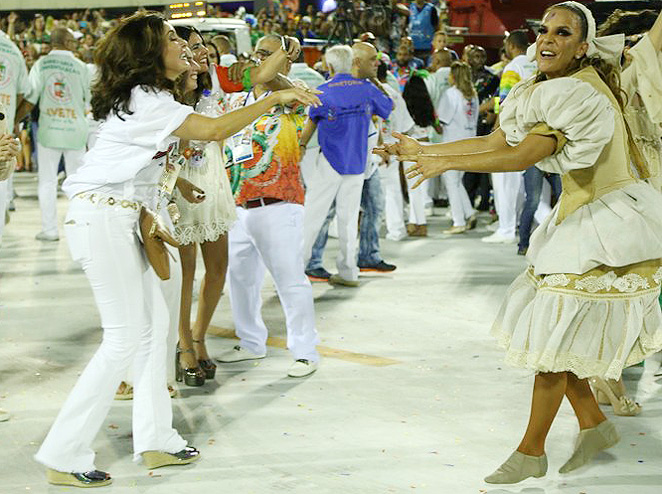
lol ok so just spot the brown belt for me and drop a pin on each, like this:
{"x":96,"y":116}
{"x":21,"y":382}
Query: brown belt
{"x":259,"y":202}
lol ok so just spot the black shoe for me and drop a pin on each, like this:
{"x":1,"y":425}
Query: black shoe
{"x":521,"y":251}
{"x":440,"y":203}
{"x":319,"y":274}
{"x":381,"y":267}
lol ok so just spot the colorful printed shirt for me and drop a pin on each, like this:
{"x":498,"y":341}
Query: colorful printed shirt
{"x":273,"y":170}
{"x":519,"y":69}
{"x":61,"y":84}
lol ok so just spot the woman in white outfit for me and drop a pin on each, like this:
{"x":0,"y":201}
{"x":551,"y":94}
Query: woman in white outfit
{"x":139,"y":60}
{"x":205,"y":220}
{"x":421,"y":109}
{"x":587,"y":305}
{"x":458,"y":114}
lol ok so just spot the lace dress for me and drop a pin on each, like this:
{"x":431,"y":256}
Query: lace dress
{"x":588,"y":302}
{"x":213,"y":217}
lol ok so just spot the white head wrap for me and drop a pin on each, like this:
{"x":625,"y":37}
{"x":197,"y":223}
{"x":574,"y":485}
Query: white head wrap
{"x":609,"y":48}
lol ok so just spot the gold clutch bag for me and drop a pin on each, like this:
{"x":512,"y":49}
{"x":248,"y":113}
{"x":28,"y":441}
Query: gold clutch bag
{"x":154,"y":243}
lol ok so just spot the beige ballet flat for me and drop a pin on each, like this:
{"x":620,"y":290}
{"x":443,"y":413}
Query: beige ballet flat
{"x":589,"y":443}
{"x":94,"y":478}
{"x":607,"y":392}
{"x":517,"y":468}
{"x":157,"y":459}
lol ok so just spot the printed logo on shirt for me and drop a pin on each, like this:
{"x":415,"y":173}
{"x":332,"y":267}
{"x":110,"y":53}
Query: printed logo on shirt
{"x":5,"y":71}
{"x":58,"y":88}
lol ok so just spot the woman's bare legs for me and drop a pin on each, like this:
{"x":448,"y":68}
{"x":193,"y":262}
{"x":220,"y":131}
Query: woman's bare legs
{"x":583,"y":402}
{"x":215,"y":257}
{"x":187,"y":254}
{"x":548,"y":391}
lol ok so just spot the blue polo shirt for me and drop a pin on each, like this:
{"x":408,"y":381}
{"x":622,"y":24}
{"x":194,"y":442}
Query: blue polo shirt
{"x":343,"y":119}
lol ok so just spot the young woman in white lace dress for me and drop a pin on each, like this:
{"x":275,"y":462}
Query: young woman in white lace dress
{"x":204,"y":222}
{"x":587,"y":305}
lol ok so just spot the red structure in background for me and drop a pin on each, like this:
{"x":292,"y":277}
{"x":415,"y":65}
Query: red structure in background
{"x":488,"y":20}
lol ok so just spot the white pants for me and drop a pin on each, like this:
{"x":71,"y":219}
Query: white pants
{"x":461,"y":209}
{"x":271,"y":237}
{"x":325,"y":185}
{"x":394,"y":202}
{"x":418,"y":199}
{"x":49,"y":158}
{"x":134,"y":318}
{"x":4,"y":194}
{"x":506,"y":187}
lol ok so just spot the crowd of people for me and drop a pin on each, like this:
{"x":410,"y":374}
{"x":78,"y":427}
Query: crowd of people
{"x":166,"y":147}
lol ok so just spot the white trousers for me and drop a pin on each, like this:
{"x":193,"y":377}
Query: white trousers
{"x":506,"y":191}
{"x":49,"y":158}
{"x":418,"y":199}
{"x":4,"y":194}
{"x":461,"y":208}
{"x":271,"y":237}
{"x":394,"y":202}
{"x":135,"y":322}
{"x":325,"y":185}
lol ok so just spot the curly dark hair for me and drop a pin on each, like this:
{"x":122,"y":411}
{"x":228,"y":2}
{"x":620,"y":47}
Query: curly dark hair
{"x":130,"y":55}
{"x":419,"y":103}
{"x":628,"y":22}
{"x":610,"y":74}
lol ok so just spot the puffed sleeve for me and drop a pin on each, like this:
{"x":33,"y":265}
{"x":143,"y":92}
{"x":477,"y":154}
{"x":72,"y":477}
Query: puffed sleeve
{"x":574,"y":112}
{"x":644,"y":76}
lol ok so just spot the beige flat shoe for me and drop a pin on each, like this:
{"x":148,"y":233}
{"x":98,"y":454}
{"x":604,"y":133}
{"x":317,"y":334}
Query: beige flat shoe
{"x":589,"y":443}
{"x":517,"y":468}
{"x":455,"y":230}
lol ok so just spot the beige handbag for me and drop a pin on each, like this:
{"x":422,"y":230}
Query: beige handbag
{"x":154,"y":244}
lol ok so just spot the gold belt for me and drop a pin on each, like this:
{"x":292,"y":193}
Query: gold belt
{"x":103,"y":200}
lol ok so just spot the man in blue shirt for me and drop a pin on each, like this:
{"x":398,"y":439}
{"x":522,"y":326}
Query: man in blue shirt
{"x":349,"y":100}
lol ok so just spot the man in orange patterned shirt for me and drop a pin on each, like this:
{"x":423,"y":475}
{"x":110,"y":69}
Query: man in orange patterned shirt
{"x":264,"y":172}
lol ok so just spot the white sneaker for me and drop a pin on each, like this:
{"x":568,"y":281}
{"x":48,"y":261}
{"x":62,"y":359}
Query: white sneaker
{"x":397,"y":237}
{"x":493,"y":227}
{"x":47,"y":237}
{"x":497,"y":238}
{"x":4,"y":415}
{"x":302,"y":368}
{"x":239,"y":354}
{"x":336,"y":279}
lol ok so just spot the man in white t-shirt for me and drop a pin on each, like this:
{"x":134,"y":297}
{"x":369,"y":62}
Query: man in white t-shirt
{"x":13,"y":85}
{"x":507,"y":185}
{"x":61,"y":84}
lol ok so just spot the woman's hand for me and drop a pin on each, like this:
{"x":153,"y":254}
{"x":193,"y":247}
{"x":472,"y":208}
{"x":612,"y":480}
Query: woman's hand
{"x":236,"y":70}
{"x":293,"y":48}
{"x":405,"y":145}
{"x":190,"y":192}
{"x":8,"y":148}
{"x":425,"y":166}
{"x":304,"y":96}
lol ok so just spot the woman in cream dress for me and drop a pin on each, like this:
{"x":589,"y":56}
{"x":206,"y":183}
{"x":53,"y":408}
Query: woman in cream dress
{"x":207,"y":213}
{"x":587,"y":305}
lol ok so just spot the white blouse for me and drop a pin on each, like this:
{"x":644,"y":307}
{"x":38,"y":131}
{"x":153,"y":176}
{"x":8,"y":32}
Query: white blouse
{"x":124,"y":160}
{"x":619,"y":228}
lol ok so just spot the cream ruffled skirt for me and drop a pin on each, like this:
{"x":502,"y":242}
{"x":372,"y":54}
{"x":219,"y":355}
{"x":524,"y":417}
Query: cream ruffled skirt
{"x":593,"y":324}
{"x":213,"y":217}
